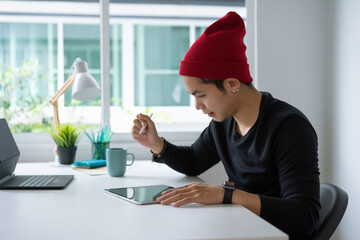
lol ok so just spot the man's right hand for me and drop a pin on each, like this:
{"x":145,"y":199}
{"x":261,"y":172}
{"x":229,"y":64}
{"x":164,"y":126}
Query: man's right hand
{"x":149,"y":137}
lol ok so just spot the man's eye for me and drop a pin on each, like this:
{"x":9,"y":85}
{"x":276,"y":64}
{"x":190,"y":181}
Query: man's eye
{"x":201,"y":96}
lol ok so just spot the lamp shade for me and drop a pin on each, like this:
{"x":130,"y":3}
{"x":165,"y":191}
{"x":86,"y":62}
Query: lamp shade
{"x":85,"y":86}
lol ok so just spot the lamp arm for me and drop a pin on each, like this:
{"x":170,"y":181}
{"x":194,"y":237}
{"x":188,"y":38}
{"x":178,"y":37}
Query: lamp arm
{"x":56,"y":117}
{"x":53,"y":101}
{"x":66,"y":85}
{"x":63,"y":89}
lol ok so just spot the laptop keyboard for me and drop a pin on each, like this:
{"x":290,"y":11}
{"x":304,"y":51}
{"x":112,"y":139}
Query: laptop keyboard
{"x":38,"y":181}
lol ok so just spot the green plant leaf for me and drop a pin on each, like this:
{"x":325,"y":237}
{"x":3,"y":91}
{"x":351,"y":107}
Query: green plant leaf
{"x":68,"y":135}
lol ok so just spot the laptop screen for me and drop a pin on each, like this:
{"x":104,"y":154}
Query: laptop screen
{"x":9,"y":153}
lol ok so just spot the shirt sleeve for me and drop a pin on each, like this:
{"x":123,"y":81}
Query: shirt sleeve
{"x":295,"y":154}
{"x":191,"y":160}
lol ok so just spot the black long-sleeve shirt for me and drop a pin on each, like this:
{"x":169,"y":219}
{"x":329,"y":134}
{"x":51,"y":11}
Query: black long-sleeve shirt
{"x":276,"y":159}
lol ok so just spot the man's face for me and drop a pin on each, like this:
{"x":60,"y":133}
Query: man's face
{"x":209,"y":99}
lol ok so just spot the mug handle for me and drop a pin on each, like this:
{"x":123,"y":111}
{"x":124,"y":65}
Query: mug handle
{"x":133,"y":193}
{"x":133,"y":158}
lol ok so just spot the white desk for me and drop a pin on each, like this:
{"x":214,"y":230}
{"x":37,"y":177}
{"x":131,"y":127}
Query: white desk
{"x":84,"y":211}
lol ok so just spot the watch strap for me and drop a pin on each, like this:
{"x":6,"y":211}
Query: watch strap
{"x":154,"y":155}
{"x":229,"y":188}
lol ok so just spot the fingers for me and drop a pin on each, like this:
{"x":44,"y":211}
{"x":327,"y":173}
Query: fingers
{"x":192,"y":193}
{"x":137,"y":125}
{"x":171,"y":190}
{"x":143,"y":119}
{"x":140,"y":121}
{"x":178,"y":196}
{"x":145,"y":133}
{"x":179,"y":200}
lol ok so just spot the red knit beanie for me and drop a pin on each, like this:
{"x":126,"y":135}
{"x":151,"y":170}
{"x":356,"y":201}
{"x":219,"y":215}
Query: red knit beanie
{"x":219,"y":53}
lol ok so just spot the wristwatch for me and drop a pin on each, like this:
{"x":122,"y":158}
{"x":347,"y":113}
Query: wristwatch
{"x":229,"y":188}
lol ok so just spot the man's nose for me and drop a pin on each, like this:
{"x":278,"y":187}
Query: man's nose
{"x":198,"y":105}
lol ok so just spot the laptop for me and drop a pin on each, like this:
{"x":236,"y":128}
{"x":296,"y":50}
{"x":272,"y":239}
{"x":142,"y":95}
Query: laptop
{"x":9,"y":156}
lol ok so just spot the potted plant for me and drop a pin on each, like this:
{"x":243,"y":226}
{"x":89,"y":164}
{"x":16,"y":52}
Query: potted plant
{"x":66,"y":142}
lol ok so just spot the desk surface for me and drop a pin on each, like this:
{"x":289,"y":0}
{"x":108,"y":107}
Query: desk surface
{"x":84,"y":211}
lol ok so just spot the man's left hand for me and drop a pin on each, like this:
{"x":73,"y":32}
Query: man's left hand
{"x":192,"y":193}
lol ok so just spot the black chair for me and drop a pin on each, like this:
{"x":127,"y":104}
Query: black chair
{"x":333,"y":201}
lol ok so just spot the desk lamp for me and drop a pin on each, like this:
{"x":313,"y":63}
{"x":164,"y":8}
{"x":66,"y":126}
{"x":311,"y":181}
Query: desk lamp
{"x":85,"y":87}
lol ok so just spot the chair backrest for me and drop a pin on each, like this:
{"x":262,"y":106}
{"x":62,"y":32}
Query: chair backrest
{"x":333,"y":201}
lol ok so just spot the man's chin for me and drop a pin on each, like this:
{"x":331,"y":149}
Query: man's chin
{"x":217,"y":119}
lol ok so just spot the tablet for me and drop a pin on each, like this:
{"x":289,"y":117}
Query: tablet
{"x":139,"y":195}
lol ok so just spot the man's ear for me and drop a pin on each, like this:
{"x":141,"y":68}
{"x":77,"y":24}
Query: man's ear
{"x":231,"y":84}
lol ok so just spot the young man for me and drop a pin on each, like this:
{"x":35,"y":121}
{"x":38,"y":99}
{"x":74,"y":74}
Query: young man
{"x":268,"y":147}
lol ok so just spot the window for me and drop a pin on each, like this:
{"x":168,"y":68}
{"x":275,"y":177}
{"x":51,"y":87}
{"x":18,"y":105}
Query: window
{"x":147,"y":43}
{"x":158,"y":52}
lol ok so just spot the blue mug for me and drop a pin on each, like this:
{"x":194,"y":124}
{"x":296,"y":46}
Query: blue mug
{"x":116,"y":161}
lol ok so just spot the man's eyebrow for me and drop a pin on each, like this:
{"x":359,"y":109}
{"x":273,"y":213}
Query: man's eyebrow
{"x":195,"y":92}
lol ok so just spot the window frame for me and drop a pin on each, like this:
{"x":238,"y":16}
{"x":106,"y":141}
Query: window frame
{"x":125,"y":16}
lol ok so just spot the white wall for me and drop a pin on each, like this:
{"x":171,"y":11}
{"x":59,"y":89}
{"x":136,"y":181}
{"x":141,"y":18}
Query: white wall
{"x":345,"y":69}
{"x":308,"y":54}
{"x":291,"y":57}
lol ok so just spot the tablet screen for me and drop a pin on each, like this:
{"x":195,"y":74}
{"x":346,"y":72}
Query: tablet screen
{"x":139,"y":195}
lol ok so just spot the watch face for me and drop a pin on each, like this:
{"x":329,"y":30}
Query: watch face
{"x":229,"y":185}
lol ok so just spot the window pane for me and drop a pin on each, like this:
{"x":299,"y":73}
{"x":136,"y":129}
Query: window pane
{"x":158,"y":52}
{"x":82,"y":41}
{"x":28,"y":74}
{"x":171,"y":84}
{"x":199,"y":31}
